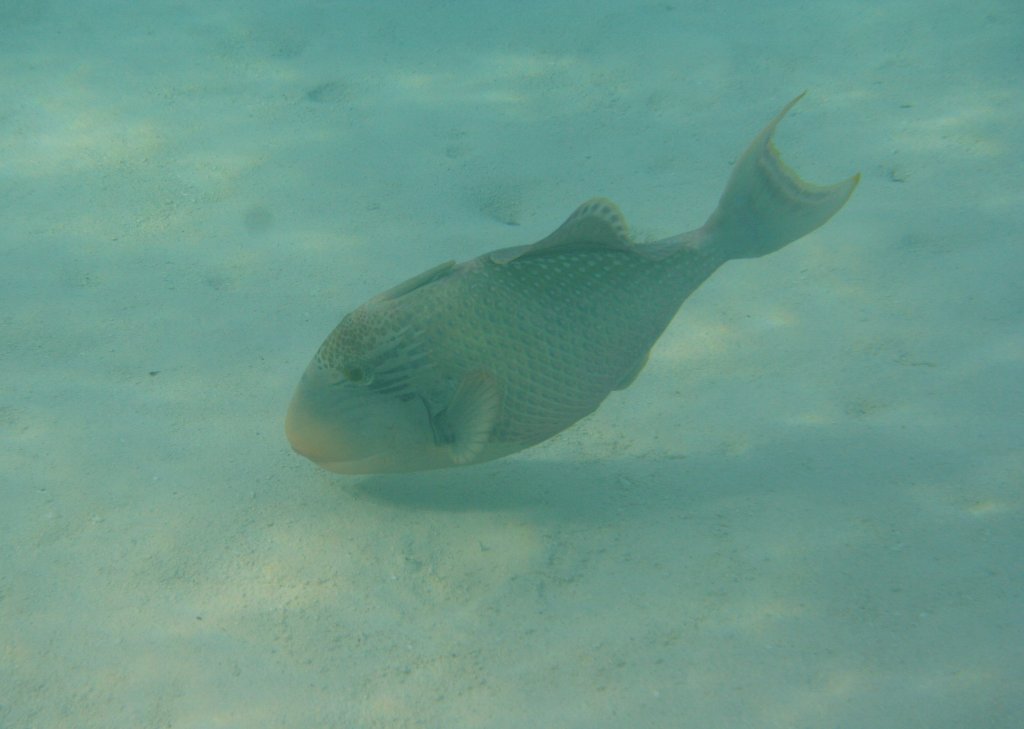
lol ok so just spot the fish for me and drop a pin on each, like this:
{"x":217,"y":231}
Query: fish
{"x":469,"y":362}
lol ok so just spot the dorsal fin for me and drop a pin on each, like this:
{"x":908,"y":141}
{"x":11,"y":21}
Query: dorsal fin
{"x":437,"y":272}
{"x":596,"y":223}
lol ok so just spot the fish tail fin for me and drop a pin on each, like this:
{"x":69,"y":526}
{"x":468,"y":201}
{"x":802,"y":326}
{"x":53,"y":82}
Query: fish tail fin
{"x":766,"y":205}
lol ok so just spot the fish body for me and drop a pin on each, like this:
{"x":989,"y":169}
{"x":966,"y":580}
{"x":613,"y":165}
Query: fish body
{"x":470,"y":362}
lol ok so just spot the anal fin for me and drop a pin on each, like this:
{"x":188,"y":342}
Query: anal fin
{"x":630,"y":377}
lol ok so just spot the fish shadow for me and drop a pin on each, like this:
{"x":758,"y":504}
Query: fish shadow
{"x":564,"y":488}
{"x":801,"y":460}
{"x":596,"y":491}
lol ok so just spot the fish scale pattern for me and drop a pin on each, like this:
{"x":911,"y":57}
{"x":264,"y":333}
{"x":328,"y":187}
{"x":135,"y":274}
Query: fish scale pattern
{"x":558,"y":331}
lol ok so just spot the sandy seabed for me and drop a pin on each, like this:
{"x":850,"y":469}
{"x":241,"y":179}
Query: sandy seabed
{"x":805,"y":513}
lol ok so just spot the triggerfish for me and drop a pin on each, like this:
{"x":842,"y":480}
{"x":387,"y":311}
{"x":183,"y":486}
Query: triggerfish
{"x":473,"y":361}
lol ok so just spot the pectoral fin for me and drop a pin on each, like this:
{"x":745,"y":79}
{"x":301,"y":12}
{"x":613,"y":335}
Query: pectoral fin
{"x":466,"y":424}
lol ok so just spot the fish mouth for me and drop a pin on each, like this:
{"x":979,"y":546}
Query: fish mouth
{"x":348,"y":433}
{"x":314,"y":438}
{"x":328,"y":452}
{"x":326,"y":447}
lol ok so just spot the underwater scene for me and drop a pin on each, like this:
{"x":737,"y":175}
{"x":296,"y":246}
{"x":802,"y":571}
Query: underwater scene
{"x":536,"y":364}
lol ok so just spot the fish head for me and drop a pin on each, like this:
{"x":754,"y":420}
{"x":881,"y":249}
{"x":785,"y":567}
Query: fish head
{"x":356,"y":409}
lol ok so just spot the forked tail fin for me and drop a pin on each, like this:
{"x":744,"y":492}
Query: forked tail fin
{"x":766,"y":205}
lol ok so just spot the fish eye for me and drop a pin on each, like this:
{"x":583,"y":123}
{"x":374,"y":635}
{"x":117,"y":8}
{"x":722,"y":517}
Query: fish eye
{"x":355,"y":375}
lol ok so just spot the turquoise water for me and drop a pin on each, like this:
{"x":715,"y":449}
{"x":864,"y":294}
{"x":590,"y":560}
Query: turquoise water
{"x":805,"y":513}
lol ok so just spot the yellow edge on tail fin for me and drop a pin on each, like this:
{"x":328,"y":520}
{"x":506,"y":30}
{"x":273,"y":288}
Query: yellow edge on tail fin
{"x":766,"y":205}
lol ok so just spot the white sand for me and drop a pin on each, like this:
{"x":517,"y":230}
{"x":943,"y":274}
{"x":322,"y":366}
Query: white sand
{"x":806,"y":513}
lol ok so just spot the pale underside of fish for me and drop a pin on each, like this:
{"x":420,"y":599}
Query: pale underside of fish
{"x":473,"y":361}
